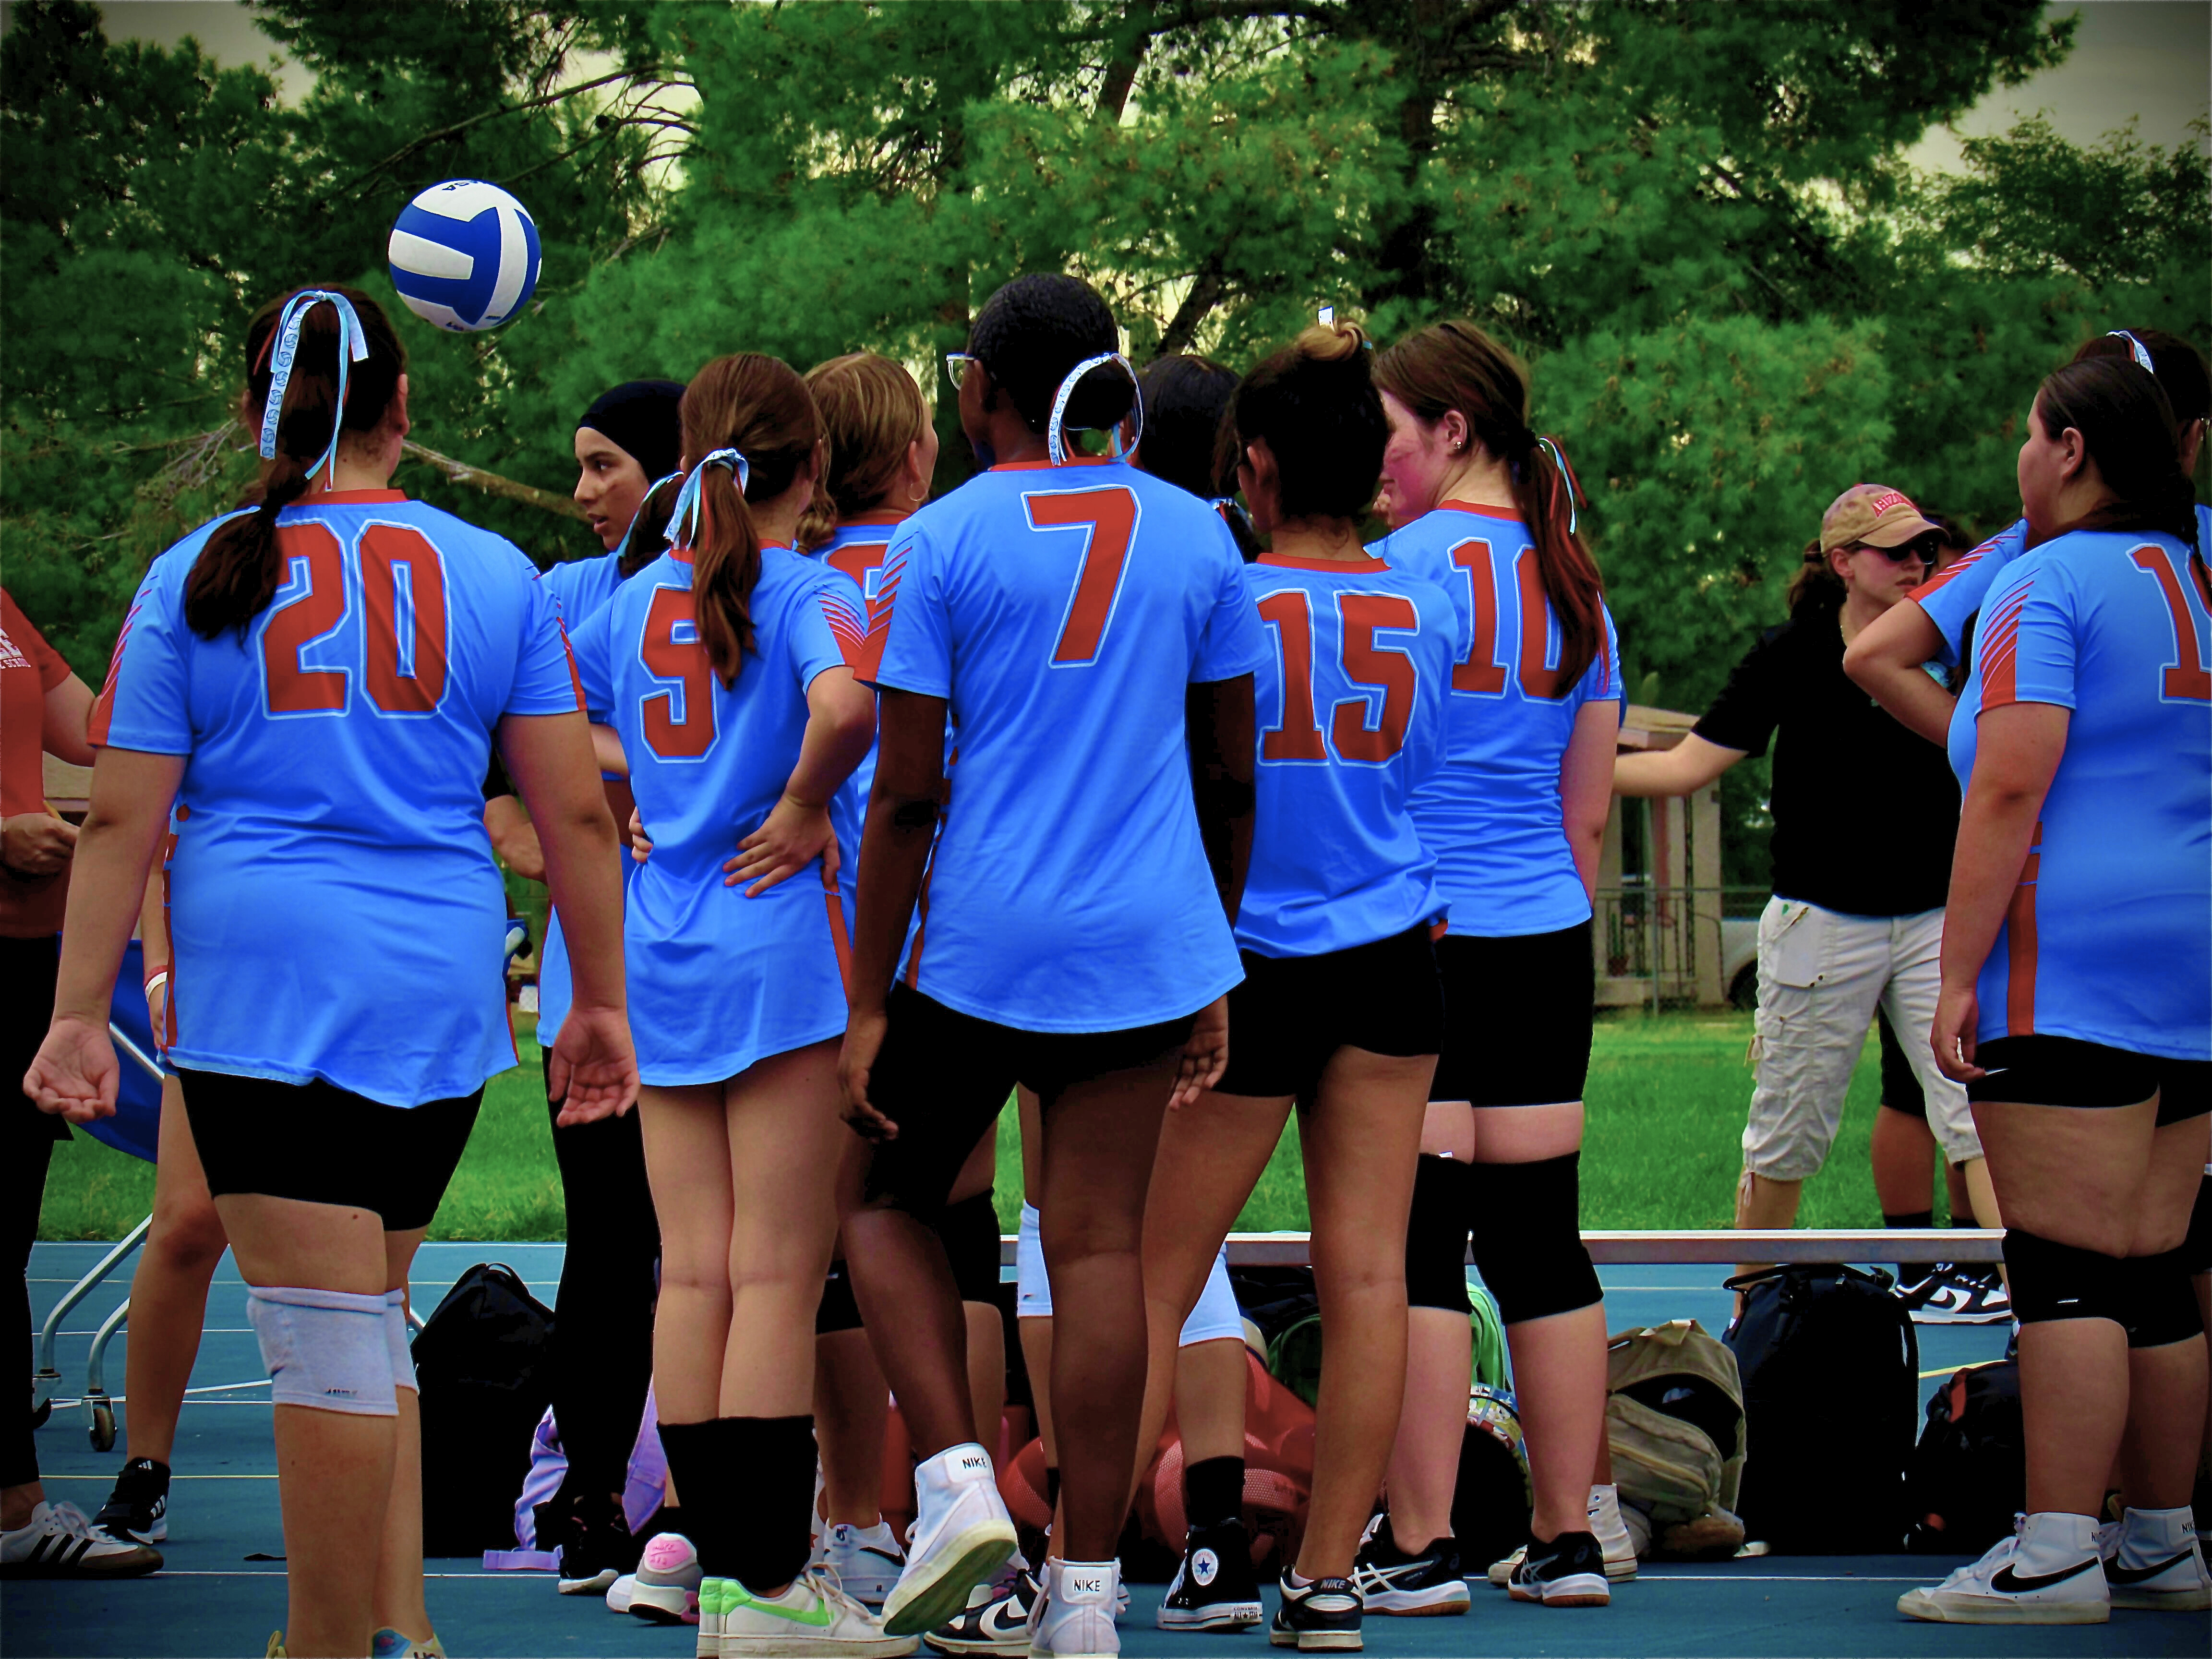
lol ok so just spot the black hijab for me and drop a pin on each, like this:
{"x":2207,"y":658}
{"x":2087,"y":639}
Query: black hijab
{"x":640,"y":418}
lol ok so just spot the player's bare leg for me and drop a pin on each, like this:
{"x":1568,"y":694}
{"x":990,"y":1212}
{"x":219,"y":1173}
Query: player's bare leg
{"x":401,"y":1603}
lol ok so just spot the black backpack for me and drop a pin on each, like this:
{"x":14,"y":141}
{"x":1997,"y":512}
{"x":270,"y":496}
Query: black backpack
{"x":482,"y":1361}
{"x":1831,"y":1390}
{"x":1969,"y":1475}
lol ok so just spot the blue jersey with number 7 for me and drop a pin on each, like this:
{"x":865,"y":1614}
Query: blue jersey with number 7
{"x":1063,"y":611}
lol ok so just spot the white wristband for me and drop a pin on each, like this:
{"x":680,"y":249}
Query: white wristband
{"x":158,"y":978}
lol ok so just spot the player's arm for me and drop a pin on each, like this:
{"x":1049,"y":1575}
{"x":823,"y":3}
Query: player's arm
{"x":1687,"y":768}
{"x":895,"y":844}
{"x":1586,"y":786}
{"x":1221,"y":722}
{"x":153,"y":937}
{"x":593,"y":1068}
{"x":513,"y":837}
{"x":606,"y":748}
{"x":840,"y":724}
{"x":75,"y":1072}
{"x":40,"y":843}
{"x":1886,"y":661}
{"x":2016,"y":755}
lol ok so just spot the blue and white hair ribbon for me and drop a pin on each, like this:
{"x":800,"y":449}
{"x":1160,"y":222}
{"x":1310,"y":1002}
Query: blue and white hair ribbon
{"x":1055,"y":444}
{"x":622,"y":547}
{"x":690,"y":501}
{"x":1574,"y":519}
{"x":353,"y":348}
{"x":2136,"y":350}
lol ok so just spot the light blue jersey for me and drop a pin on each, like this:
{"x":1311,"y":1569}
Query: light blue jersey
{"x":855,"y":550}
{"x":335,"y":910}
{"x":1492,"y":812}
{"x":1062,"y":612}
{"x":717,"y":980}
{"x":1350,"y":712}
{"x":2108,"y":937}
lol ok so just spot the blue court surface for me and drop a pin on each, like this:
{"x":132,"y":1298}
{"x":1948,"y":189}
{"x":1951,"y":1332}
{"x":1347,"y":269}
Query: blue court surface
{"x":213,"y":1599}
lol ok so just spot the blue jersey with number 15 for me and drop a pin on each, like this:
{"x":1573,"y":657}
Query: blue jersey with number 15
{"x":334,"y":906}
{"x":1062,"y":612}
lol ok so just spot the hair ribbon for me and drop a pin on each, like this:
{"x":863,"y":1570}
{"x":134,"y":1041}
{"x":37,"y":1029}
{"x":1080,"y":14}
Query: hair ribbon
{"x":690,"y":516}
{"x":2136,"y":350}
{"x":622,"y":547}
{"x":1566,"y":473}
{"x":353,"y":348}
{"x":1055,"y":443}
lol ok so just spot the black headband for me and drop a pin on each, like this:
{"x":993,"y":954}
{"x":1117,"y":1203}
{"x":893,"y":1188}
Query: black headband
{"x":640,"y":418}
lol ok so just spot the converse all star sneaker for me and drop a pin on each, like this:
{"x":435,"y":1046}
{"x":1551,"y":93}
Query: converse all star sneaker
{"x":962,"y":1536}
{"x":2048,"y":1572}
{"x":1213,"y":1588}
{"x":812,"y":1616}
{"x":1078,"y":1617}
{"x":867,"y":1560}
{"x":2154,"y":1562}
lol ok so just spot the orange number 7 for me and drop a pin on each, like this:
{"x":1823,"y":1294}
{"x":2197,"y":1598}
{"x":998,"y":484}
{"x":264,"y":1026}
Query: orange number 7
{"x":1110,"y":516}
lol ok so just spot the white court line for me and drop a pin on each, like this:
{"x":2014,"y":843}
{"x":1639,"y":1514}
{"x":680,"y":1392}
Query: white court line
{"x":175,"y":1477}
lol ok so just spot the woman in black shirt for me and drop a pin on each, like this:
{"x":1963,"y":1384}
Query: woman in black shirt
{"x":1864,"y":813}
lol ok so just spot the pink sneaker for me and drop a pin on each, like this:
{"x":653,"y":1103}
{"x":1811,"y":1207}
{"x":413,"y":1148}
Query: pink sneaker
{"x":667,"y":1588}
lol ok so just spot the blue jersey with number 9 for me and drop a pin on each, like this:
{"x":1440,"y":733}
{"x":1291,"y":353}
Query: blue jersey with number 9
{"x":1063,"y":611}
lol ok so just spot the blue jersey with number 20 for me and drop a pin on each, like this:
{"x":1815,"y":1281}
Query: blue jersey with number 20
{"x":334,"y":906}
{"x":719,"y":980}
{"x":2108,"y":937}
{"x":1063,"y":611}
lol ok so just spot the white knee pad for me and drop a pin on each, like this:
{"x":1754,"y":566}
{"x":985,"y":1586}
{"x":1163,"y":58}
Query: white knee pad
{"x":325,"y":1350}
{"x":1216,"y":1314}
{"x":396,"y":1339}
{"x":1032,"y":1290}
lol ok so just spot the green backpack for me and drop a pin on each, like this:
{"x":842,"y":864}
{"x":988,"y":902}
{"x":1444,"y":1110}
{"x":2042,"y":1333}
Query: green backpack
{"x":1294,"y":1351}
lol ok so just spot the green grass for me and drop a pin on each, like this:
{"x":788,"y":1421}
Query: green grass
{"x":1666,"y":1099}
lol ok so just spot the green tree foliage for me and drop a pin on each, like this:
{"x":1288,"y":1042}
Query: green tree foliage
{"x":1692,"y":219}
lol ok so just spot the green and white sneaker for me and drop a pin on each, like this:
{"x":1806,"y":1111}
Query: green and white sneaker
{"x":813,"y":1616}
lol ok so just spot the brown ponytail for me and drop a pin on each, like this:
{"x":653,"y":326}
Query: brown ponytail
{"x":1455,"y":366}
{"x":759,"y":407}
{"x":238,"y":571}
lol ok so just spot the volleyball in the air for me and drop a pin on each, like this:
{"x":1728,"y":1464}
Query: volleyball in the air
{"x":463,"y":255}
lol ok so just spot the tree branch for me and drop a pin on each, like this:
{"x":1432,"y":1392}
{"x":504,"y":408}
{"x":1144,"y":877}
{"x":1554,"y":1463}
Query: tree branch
{"x":1207,"y":290}
{"x":475,"y":478}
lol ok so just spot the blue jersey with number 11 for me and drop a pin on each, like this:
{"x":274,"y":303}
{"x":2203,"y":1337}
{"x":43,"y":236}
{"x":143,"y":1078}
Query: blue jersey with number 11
{"x":1062,"y":612}
{"x":334,"y":906}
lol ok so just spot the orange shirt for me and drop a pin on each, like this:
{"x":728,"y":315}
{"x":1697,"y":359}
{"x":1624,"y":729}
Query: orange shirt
{"x":29,"y":668}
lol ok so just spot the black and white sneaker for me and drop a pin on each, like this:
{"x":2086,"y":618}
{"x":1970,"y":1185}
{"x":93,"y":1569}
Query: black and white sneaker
{"x":1427,"y":1584}
{"x":1322,"y":1617}
{"x":1567,"y":1572}
{"x":995,"y":1621}
{"x":137,"y":1511}
{"x":58,"y":1542}
{"x":1959,"y":1295}
{"x":1214,"y":1589}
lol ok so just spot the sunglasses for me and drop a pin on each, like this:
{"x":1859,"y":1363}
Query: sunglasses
{"x":956,"y":364}
{"x":1921,"y":551}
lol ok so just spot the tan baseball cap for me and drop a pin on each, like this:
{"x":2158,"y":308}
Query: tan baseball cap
{"x":1873,"y":515}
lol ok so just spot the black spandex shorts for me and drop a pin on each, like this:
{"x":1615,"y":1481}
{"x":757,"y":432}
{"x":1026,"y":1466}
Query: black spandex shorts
{"x":943,"y":1077}
{"x":1292,"y":1012}
{"x":2055,"y":1071}
{"x":1900,"y":1085}
{"x":1516,"y":1017}
{"x":323,"y":1145}
{"x":2196,"y":1249}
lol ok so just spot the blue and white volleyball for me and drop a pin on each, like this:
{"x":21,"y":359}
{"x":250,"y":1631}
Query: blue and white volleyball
{"x":463,"y":255}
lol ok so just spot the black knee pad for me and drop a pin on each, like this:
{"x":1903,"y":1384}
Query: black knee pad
{"x":1435,"y":1236}
{"x":1525,"y":1220}
{"x":970,"y":1232}
{"x":2050,"y":1281}
{"x":2165,"y":1302}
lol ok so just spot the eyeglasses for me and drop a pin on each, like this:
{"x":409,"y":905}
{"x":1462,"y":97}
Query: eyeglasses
{"x":956,"y":366}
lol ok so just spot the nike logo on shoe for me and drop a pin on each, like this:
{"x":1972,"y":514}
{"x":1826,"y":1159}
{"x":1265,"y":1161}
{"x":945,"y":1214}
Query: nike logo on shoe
{"x":2016,"y":1583}
{"x":2124,"y":1576}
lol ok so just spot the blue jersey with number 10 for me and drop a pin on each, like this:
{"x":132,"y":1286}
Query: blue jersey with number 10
{"x":1062,"y":612}
{"x":2108,"y":937}
{"x":718,"y":979}
{"x":1492,"y":812}
{"x":334,"y":906}
{"x":1351,"y":715}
